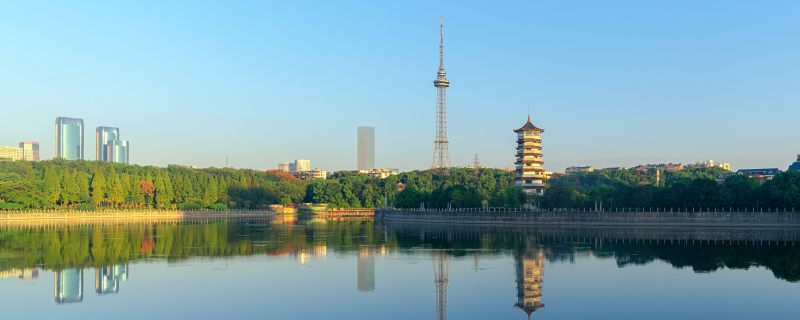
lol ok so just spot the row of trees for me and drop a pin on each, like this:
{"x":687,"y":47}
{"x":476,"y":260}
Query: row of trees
{"x":693,"y":188}
{"x":462,"y":187}
{"x":88,"y":184}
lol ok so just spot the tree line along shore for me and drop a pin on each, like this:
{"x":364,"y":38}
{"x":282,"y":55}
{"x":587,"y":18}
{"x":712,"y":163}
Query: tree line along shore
{"x":93,"y":185}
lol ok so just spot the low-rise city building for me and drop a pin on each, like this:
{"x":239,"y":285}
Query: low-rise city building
{"x":10,"y":153}
{"x":315,"y":174}
{"x":796,"y":165}
{"x":379,"y":173}
{"x":669,"y":167}
{"x":572,"y":170}
{"x":30,"y":150}
{"x":760,"y":175}
{"x":711,"y":164}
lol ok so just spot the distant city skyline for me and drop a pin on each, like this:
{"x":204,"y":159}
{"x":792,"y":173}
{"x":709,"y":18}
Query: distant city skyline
{"x":616,"y":84}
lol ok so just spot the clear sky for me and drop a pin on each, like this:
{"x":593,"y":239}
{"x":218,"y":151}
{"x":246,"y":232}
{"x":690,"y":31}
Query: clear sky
{"x":613,"y":83}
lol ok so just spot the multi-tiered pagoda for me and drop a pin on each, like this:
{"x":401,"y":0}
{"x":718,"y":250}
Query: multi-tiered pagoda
{"x":529,"y":172}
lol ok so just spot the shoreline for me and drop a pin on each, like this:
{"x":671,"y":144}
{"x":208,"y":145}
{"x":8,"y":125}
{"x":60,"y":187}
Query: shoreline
{"x":719,"y":219}
{"x":81,"y":217}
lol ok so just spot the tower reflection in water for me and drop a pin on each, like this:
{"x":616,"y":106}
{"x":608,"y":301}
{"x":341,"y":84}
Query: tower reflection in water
{"x":529,"y":263}
{"x":441,"y":268}
{"x":530,"y":275}
{"x":69,"y":282}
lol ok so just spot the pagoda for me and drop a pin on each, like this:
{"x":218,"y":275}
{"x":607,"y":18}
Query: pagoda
{"x":529,"y":172}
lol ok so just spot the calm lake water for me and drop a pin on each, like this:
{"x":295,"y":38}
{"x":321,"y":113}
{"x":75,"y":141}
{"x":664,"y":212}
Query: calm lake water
{"x":235,"y":269}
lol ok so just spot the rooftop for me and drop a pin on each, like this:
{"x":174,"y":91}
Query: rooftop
{"x":528,"y":126}
{"x":796,"y":165}
{"x":764,"y":171}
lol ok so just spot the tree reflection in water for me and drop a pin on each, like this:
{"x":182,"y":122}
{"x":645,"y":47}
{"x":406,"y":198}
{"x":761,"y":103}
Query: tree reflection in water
{"x":109,"y":248}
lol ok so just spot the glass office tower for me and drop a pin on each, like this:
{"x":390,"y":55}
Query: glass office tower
{"x":103,"y":138}
{"x":69,"y":138}
{"x":118,"y":151}
{"x":366,"y":148}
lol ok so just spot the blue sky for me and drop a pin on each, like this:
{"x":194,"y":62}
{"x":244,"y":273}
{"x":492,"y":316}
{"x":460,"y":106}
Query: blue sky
{"x":614,"y":83}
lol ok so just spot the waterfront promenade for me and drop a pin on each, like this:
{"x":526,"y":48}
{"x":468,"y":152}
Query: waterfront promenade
{"x":85,"y":217}
{"x":773,"y":217}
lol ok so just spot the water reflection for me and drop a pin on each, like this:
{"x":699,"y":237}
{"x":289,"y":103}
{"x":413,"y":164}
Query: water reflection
{"x":107,"y":278}
{"x":530,"y":275}
{"x":68,"y":251}
{"x":69,"y":286}
{"x":22,"y":274}
{"x":366,"y":269}
{"x":441,"y":270}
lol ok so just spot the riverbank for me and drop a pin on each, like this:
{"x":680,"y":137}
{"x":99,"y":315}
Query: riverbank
{"x":593,"y":218}
{"x":81,"y":217}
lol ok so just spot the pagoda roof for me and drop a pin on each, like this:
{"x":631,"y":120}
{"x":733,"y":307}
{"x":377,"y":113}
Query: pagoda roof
{"x":528,"y":126}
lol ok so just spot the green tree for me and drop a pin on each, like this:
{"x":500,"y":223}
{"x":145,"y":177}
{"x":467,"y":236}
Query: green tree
{"x":162,"y":195}
{"x":116,"y":192}
{"x":82,"y":179}
{"x":52,"y":185}
{"x":70,"y":191}
{"x":98,"y":186}
{"x":742,"y":190}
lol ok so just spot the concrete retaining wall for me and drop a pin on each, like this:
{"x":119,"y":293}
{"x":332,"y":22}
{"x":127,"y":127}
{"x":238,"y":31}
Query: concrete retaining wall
{"x":588,"y":218}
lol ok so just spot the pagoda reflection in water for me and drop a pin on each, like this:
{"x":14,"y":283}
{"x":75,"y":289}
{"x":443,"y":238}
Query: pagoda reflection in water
{"x":530,"y":274}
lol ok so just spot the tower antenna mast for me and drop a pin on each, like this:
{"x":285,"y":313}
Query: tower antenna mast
{"x":441,"y":152}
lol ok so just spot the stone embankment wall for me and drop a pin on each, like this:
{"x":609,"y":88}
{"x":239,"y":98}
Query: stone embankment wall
{"x":599,"y":234}
{"x":590,"y":218}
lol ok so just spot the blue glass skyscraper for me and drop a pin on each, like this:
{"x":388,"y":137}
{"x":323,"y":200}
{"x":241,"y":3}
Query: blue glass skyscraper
{"x":118,"y":151}
{"x":69,"y":138}
{"x":103,"y":137}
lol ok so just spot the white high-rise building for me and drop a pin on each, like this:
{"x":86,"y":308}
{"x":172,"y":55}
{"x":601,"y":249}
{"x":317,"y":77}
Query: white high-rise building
{"x":302,"y":165}
{"x":366,"y":148}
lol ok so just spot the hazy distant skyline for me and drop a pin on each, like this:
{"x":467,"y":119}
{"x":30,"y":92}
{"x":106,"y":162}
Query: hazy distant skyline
{"x":613,"y":83}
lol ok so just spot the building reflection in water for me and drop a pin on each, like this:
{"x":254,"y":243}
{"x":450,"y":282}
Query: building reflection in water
{"x":107,"y":278}
{"x":69,"y":286}
{"x":366,"y":268}
{"x":319,"y":251}
{"x":530,"y":274}
{"x":441,"y":268}
{"x":22,"y":274}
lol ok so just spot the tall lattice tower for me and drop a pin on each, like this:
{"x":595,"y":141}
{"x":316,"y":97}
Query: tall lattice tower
{"x":441,"y":153}
{"x":441,"y":268}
